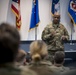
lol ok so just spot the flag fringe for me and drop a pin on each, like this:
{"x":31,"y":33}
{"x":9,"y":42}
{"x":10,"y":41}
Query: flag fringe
{"x":71,"y":19}
{"x":34,"y":27}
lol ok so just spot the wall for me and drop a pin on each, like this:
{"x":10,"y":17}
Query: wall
{"x":45,"y":17}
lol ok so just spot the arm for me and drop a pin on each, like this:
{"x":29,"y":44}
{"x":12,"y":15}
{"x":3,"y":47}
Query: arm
{"x":47,"y":33}
{"x":66,"y":35}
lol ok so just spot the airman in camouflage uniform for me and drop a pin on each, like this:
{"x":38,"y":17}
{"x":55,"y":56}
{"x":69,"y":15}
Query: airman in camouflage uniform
{"x":38,"y":51}
{"x":58,"y":62}
{"x":54,"y":35}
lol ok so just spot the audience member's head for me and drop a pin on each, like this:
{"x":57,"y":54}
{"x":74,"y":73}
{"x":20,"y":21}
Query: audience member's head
{"x":21,"y":56}
{"x":59,"y":57}
{"x":38,"y":50}
{"x":9,"y":43}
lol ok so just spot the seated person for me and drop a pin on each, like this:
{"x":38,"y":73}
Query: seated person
{"x":38,"y":51}
{"x":21,"y":58}
{"x":58,"y":62}
{"x":9,"y":46}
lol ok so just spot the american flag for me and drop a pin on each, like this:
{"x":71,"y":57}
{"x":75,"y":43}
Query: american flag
{"x":15,"y":6}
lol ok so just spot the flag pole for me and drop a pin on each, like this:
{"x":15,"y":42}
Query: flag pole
{"x":71,"y":35}
{"x":35,"y":17}
{"x":71,"y":31}
{"x":35,"y":33}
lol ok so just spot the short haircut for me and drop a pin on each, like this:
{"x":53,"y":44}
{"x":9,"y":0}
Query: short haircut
{"x":59,"y":57}
{"x":9,"y":42}
{"x":21,"y":55}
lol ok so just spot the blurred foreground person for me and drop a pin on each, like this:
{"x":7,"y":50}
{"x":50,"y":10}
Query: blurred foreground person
{"x":9,"y":46}
{"x":54,"y":35}
{"x":58,"y":62}
{"x":38,"y":51}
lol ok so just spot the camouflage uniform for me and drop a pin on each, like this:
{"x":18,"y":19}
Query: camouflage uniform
{"x":42,"y":68}
{"x":60,"y":69}
{"x":11,"y":69}
{"x":52,"y":36}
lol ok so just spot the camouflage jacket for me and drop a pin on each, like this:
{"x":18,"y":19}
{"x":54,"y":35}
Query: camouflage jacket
{"x":60,"y":69}
{"x":12,"y":69}
{"x":52,"y":36}
{"x":42,"y":68}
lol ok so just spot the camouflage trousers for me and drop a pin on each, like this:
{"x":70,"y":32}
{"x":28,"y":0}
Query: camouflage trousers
{"x":51,"y":55}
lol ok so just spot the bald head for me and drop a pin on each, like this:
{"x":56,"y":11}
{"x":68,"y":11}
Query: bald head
{"x":56,"y":18}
